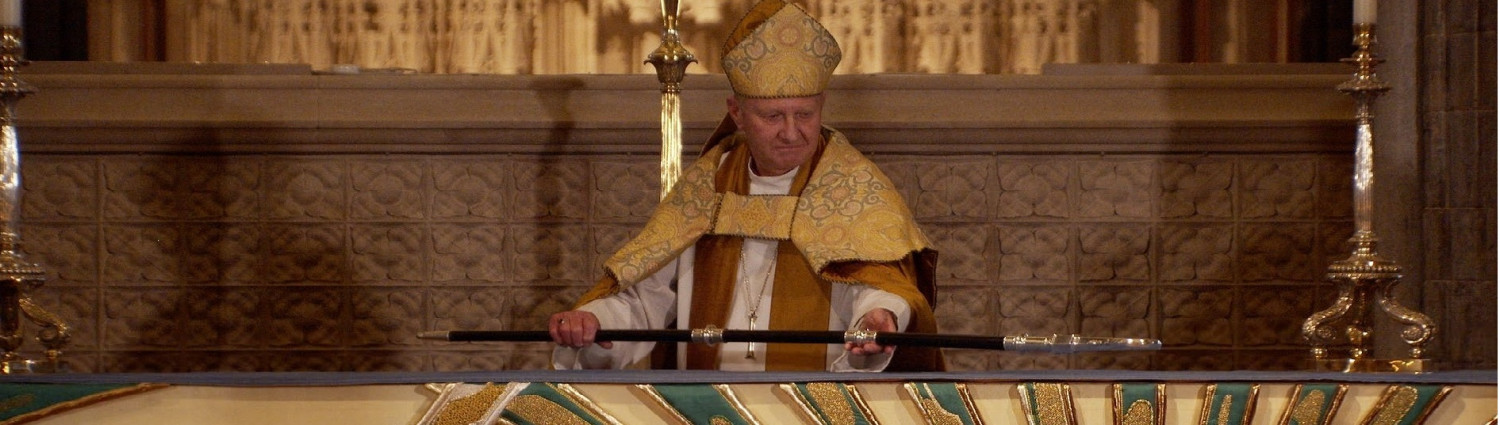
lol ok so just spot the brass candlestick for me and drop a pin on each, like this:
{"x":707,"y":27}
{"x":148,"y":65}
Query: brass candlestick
{"x":671,"y":60}
{"x":1365,"y":277}
{"x":18,"y":276}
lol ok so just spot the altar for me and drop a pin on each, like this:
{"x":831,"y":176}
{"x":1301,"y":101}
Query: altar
{"x":651,"y":397}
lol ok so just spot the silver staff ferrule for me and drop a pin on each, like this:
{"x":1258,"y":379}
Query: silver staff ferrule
{"x":711,"y":335}
{"x":859,"y":336}
{"x":1058,"y":344}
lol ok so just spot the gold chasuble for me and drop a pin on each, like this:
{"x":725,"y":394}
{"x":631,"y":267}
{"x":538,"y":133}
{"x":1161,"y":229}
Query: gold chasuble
{"x":844,"y":221}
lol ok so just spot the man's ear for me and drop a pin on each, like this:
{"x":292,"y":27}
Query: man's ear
{"x":733,"y":104}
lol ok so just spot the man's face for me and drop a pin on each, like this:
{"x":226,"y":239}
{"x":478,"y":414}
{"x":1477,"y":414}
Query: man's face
{"x":783,"y":132}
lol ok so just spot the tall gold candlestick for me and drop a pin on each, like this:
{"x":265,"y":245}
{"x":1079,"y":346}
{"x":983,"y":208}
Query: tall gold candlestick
{"x":671,"y":60}
{"x":18,"y":276}
{"x":1340,"y":335}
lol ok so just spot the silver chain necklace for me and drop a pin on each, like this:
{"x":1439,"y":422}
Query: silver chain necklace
{"x":754,"y":303}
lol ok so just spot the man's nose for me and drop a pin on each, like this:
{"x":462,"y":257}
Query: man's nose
{"x":789,"y":130}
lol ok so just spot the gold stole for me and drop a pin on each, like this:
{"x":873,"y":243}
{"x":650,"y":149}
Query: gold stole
{"x":798,"y":293}
{"x":799,"y":290}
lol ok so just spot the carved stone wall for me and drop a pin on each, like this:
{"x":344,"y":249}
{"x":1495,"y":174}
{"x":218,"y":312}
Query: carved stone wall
{"x":614,"y":36}
{"x":301,"y":222}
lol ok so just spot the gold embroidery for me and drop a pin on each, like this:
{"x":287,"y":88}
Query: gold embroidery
{"x":540,"y":410}
{"x":768,"y":217}
{"x":16,"y":402}
{"x":787,"y":55}
{"x":1310,"y":408}
{"x":1050,"y":407}
{"x":597,"y":412}
{"x":469,"y":409}
{"x":1224,"y":406}
{"x":1140,"y":413}
{"x":849,"y":211}
{"x":1394,"y":406}
{"x":831,"y":402}
{"x":937,"y":415}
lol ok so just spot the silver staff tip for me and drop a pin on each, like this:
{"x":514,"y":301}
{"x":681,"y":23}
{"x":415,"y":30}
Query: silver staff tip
{"x":438,"y":335}
{"x":1065,"y":344}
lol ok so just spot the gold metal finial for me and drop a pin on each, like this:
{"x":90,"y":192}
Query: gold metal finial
{"x":1341,"y":335}
{"x":671,"y":60}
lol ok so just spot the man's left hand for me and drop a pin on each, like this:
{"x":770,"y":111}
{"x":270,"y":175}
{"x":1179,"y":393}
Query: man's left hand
{"x":878,"y":320}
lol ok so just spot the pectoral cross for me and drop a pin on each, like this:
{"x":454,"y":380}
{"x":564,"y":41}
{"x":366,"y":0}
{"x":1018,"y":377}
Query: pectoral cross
{"x":750,"y":346}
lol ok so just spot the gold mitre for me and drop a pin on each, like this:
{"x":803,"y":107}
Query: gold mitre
{"x":778,"y":50}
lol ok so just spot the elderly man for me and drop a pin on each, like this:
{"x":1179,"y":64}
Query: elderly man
{"x":780,"y":225}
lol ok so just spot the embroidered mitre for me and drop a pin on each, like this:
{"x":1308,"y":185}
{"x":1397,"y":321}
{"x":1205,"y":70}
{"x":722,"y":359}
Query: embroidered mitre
{"x":778,"y":50}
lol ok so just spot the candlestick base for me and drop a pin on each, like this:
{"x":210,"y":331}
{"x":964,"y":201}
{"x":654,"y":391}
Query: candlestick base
{"x":1374,"y":365}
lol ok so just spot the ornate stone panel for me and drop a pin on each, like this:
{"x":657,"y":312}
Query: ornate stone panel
{"x":1278,"y":252}
{"x":142,"y":254}
{"x":1114,"y":253}
{"x":545,"y":253}
{"x":388,"y":190}
{"x":1034,"y":189}
{"x":1035,"y":254}
{"x":1335,"y":182}
{"x":486,"y":307}
{"x":180,"y":188}
{"x":137,"y":318}
{"x":1273,"y":315}
{"x":1115,"y":361}
{"x":335,"y":262}
{"x":967,"y":310}
{"x":965,"y":252}
{"x":496,"y":248}
{"x":954,"y":189}
{"x":1295,"y":359}
{"x":1197,"y":189}
{"x":1197,"y":253}
{"x":1198,"y":316}
{"x":626,"y":189}
{"x":465,"y":253}
{"x":60,"y":189}
{"x":305,"y":317}
{"x":531,"y":306}
{"x":1195,"y":360}
{"x":550,"y":188}
{"x":1277,"y":188}
{"x":77,"y":306}
{"x":68,"y":251}
{"x":385,"y":361}
{"x":306,"y":189}
{"x":1121,"y":311}
{"x":1115,"y":189}
{"x":388,"y":253}
{"x":307,"y":253}
{"x":223,"y":253}
{"x":1038,"y":310}
{"x":387,"y":317}
{"x":1028,"y":361}
{"x":469,"y":189}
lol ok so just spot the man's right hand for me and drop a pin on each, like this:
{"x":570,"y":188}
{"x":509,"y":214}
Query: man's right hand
{"x":575,"y":328}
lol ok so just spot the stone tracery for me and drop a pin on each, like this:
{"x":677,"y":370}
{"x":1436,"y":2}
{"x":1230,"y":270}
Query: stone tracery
{"x":613,"y":36}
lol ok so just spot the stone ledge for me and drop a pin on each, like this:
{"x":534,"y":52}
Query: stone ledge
{"x":287,"y":112}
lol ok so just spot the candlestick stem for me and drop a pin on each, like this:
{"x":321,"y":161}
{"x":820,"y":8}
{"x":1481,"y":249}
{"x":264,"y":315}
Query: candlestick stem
{"x":1365,"y":278}
{"x":18,"y":277}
